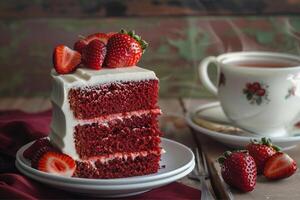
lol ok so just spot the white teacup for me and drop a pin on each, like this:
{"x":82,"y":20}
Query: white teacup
{"x":258,"y":91}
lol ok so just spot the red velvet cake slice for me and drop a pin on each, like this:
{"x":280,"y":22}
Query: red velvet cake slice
{"x":106,"y":120}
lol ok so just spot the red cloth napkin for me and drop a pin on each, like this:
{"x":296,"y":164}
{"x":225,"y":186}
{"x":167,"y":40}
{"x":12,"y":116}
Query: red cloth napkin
{"x":18,"y":128}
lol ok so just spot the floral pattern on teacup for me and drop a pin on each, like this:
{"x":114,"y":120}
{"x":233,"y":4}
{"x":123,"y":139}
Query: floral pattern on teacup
{"x":222,"y":79}
{"x":256,"y":93}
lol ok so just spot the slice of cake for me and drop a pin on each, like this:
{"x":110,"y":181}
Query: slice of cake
{"x":105,"y":111}
{"x":106,"y":120}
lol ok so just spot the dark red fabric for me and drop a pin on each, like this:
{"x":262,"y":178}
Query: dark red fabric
{"x":18,"y":128}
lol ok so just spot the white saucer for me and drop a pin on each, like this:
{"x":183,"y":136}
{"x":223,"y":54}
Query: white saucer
{"x":213,"y":112}
{"x":178,"y":161}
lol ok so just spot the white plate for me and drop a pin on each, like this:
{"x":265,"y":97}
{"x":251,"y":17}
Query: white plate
{"x":122,"y":190}
{"x":182,"y":160}
{"x":235,"y":141}
{"x":178,"y":161}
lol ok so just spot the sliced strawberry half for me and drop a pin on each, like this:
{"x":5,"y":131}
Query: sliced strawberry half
{"x":57,"y":163}
{"x":65,"y":60}
{"x":39,"y":153}
{"x":279,"y":166}
{"x":82,"y":43}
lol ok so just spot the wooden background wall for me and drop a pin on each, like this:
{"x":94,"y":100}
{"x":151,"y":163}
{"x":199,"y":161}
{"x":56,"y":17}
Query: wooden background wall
{"x":180,"y":34}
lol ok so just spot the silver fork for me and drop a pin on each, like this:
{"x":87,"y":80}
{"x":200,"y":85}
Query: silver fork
{"x":200,"y":173}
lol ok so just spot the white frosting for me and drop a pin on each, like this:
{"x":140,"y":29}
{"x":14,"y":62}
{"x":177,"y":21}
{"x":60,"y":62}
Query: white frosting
{"x":88,"y":77}
{"x":63,"y":120}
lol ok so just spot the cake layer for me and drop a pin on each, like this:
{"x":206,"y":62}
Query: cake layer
{"x":118,"y":97}
{"x":63,"y":129}
{"x":136,"y":117}
{"x":110,"y":126}
{"x":89,"y":143}
{"x":119,"y":167}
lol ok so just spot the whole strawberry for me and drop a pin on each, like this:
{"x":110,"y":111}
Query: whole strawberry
{"x":238,"y":169}
{"x":261,"y":152}
{"x":93,"y":54}
{"x":124,"y":49}
{"x":279,"y":166}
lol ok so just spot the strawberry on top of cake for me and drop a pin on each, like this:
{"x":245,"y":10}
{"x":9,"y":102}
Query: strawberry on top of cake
{"x":104,"y":111}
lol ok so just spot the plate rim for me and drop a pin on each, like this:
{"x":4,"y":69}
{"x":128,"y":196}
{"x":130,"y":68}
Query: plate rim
{"x":136,"y":179}
{"x":119,"y":187}
{"x":212,"y":133}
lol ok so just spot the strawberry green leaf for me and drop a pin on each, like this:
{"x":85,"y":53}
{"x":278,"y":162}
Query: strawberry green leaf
{"x":221,"y":160}
{"x":138,"y":38}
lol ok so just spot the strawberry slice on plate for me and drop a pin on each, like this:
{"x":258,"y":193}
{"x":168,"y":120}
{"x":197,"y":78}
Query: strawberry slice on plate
{"x":39,"y":153}
{"x":279,"y":166}
{"x":57,"y":163}
{"x":65,"y":60}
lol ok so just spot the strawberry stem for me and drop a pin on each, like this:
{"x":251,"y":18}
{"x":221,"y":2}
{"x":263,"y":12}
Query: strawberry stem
{"x":254,"y":141}
{"x":276,"y":148}
{"x":223,"y":157}
{"x":227,"y":154}
{"x":138,"y":38}
{"x":221,"y":160}
{"x":268,"y":142}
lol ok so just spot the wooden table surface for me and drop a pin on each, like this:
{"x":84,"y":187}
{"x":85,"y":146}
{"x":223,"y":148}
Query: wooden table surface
{"x":276,"y":190}
{"x":174,"y":127}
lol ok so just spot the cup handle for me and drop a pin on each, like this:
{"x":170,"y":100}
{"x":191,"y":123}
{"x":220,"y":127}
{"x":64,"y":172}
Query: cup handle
{"x":205,"y":80}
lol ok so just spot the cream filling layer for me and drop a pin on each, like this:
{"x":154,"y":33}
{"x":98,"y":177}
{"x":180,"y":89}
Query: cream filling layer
{"x":125,"y":156}
{"x":65,"y":142}
{"x":120,"y":116}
